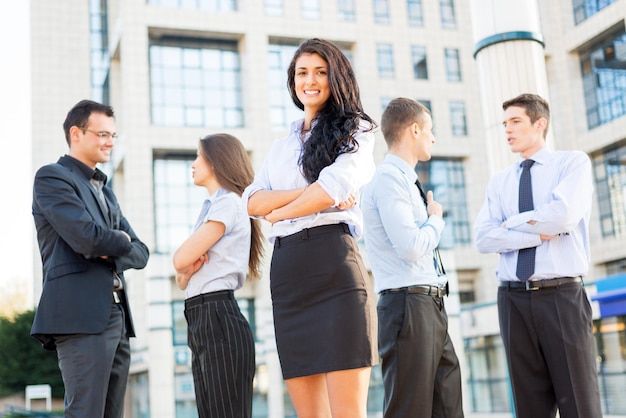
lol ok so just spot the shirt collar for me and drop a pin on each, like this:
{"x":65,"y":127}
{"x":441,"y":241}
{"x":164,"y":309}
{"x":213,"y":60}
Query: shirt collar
{"x":87,"y":171}
{"x":541,"y":156}
{"x":219,"y":192}
{"x":296,"y":125}
{"x":402,"y":165}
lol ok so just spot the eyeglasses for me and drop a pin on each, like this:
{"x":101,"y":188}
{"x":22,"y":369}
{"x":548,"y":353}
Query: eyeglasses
{"x":102,"y":134}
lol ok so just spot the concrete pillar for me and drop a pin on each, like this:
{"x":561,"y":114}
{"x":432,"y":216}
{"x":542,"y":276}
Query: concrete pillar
{"x":508,"y":49}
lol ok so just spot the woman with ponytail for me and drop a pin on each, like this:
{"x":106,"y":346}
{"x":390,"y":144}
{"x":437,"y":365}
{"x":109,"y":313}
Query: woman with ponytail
{"x":211,"y":264}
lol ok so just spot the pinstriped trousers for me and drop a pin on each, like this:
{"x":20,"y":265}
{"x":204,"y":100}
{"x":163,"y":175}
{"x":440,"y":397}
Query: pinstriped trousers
{"x":223,"y":357}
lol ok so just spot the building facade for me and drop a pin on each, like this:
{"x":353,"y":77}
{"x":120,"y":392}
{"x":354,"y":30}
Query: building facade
{"x":176,"y":70}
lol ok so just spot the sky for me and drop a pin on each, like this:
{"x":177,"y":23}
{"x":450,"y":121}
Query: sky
{"x":16,"y":227}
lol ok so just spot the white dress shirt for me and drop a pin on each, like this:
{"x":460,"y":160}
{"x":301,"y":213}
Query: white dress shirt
{"x":562,"y":185}
{"x":348,"y":174}
{"x":399,"y":235}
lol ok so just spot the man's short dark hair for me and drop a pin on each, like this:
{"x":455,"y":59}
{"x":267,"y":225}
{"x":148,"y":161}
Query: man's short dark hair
{"x":79,"y":115}
{"x":536,"y":107}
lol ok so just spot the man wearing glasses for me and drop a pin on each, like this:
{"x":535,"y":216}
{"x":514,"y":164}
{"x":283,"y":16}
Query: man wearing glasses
{"x":86,"y":244}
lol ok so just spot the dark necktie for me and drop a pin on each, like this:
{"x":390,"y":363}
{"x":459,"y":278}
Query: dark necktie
{"x":436,"y":256}
{"x":98,"y":185}
{"x":526,"y":256}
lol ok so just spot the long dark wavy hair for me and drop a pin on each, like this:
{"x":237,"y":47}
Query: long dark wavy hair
{"x":338,"y":121}
{"x":234,"y":172}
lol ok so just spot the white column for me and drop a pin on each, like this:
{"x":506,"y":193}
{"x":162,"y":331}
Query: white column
{"x":508,"y":48}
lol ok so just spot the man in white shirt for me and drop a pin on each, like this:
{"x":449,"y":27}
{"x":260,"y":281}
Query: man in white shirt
{"x":536,"y":217}
{"x":403,"y":227}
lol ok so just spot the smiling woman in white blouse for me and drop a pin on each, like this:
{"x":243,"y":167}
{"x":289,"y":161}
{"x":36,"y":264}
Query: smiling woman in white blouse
{"x":323,"y":305}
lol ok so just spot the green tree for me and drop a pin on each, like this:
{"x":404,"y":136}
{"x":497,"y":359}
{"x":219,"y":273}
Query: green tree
{"x":22,"y":359}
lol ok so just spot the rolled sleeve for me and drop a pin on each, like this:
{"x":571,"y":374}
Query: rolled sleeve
{"x":350,"y":171}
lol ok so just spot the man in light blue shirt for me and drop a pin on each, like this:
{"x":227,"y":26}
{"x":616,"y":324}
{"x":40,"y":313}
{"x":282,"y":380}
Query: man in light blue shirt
{"x":420,"y":368}
{"x":539,"y":227}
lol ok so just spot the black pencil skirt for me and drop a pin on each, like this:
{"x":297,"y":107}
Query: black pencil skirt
{"x":323,"y":304}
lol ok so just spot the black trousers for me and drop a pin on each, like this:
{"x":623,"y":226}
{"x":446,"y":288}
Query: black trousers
{"x":548,"y":339}
{"x":94,"y":368}
{"x":421,"y":372}
{"x":223,"y":357}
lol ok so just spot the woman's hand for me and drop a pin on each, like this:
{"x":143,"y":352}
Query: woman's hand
{"x":182,"y":278}
{"x":348,"y":203}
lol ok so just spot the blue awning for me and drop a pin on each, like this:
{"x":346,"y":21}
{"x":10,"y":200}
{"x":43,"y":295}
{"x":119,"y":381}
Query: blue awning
{"x":611,"y":295}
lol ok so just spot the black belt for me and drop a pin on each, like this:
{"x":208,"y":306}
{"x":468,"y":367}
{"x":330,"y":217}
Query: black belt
{"x":310,"y":232}
{"x":540,"y":284}
{"x":420,"y":289}
{"x":209,"y":297}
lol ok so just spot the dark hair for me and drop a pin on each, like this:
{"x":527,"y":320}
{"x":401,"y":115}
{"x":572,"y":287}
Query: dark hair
{"x":79,"y":115}
{"x":338,"y":121}
{"x":233,"y":170}
{"x":536,"y":107}
{"x":400,"y":113}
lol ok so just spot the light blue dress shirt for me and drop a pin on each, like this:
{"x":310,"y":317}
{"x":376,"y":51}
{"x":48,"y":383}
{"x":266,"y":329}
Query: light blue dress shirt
{"x":228,"y":257}
{"x":399,"y":235}
{"x":348,"y":174}
{"x":562,"y":185}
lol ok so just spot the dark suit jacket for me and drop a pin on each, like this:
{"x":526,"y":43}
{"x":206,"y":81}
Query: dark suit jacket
{"x":74,"y":231}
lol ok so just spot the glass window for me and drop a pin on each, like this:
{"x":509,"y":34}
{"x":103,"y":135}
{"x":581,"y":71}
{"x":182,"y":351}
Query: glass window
{"x":453,"y":64}
{"x":415,"y":13}
{"x":610,"y":175}
{"x":615,"y":267}
{"x":273,"y":7}
{"x":376,"y":393}
{"x":448,"y":19}
{"x":99,"y":50}
{"x":467,"y":280}
{"x":282,"y":109}
{"x":458,"y":119}
{"x":346,"y":10}
{"x":184,"y":393}
{"x":179,"y":323}
{"x":428,"y":105}
{"x":208,"y":5}
{"x":611,"y":343}
{"x":381,"y":11}
{"x":139,"y":395}
{"x":446,"y":178}
{"x":310,"y":9}
{"x":384,"y":101}
{"x":487,"y":380}
{"x":420,"y":63}
{"x":177,"y":201}
{"x":384,"y":53}
{"x":604,"y":80}
{"x":583,"y":9}
{"x":195,"y":83}
{"x":249,"y":312}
